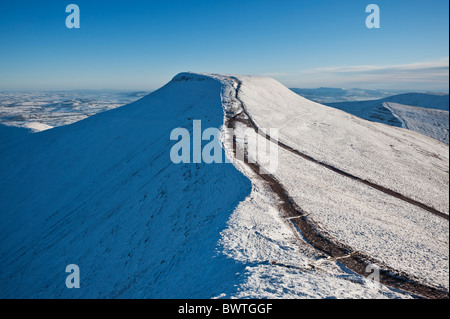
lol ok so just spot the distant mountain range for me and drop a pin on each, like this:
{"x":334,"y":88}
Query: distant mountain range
{"x":426,"y":114}
{"x":332,"y":95}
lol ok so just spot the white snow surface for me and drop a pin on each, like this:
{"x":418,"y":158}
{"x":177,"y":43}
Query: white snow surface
{"x":406,"y":162}
{"x":429,"y":122}
{"x":403,"y":236}
{"x":102,"y":193}
{"x":42,"y":110}
{"x":426,"y":114}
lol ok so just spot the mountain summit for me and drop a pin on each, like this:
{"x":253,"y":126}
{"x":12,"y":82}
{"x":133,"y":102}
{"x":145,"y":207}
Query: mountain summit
{"x":103,"y":194}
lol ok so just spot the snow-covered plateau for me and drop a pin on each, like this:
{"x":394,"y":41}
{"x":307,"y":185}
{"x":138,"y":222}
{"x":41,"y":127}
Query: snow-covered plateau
{"x":349,"y":198}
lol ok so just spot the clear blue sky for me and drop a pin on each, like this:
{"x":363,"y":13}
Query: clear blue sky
{"x":143,"y":44}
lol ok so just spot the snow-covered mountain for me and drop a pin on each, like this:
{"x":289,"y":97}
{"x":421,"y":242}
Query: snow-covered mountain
{"x":437,"y":101}
{"x":326,"y":95}
{"x":348,"y":196}
{"x":426,"y":114}
{"x":103,"y":194}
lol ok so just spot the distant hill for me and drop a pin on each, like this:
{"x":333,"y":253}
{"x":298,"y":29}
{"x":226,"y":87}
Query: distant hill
{"x":425,"y":100}
{"x":331,"y":95}
{"x":425,"y":113}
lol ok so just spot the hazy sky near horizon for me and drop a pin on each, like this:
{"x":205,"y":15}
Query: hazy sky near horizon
{"x":142,"y":44}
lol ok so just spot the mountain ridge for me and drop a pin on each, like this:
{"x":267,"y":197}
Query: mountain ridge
{"x":103,"y":193}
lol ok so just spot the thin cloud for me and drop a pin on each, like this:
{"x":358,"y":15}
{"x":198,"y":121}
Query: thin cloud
{"x":423,"y":75}
{"x":413,"y":67}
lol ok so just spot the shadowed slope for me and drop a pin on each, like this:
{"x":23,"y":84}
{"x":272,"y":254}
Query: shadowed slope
{"x":103,"y":194}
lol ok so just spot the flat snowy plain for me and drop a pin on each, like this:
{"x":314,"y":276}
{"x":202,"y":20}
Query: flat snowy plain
{"x":42,"y":110}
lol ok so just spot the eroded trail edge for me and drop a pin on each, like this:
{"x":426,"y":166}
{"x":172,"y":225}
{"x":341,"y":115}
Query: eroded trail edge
{"x":354,"y":260}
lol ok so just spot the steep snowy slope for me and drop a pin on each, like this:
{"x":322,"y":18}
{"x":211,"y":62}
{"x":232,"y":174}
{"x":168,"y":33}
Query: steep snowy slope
{"x":407,"y":162}
{"x":8,"y":133}
{"x":429,"y":101}
{"x":380,"y":190}
{"x":430,"y":109}
{"x":103,"y":194}
{"x":429,"y":122}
